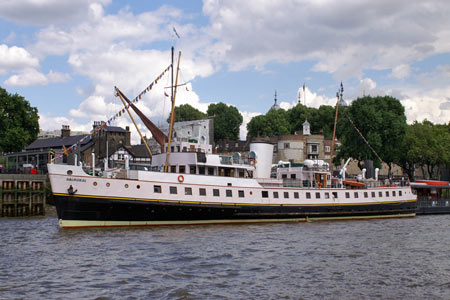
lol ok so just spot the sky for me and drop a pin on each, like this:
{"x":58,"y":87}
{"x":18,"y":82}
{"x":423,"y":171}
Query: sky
{"x":65,"y":57}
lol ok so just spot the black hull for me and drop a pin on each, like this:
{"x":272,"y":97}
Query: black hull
{"x":115,"y":211}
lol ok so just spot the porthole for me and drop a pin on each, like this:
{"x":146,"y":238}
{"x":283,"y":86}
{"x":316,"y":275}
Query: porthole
{"x":138,"y":186}
{"x":107,"y":184}
{"x":126,"y":186}
{"x":95,"y":183}
{"x":69,"y":172}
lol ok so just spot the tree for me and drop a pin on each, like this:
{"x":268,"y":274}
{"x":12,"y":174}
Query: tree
{"x":186,"y":112}
{"x":381,"y":121}
{"x":19,"y":122}
{"x":227,"y":121}
{"x":274,"y":123}
{"x":426,"y":146}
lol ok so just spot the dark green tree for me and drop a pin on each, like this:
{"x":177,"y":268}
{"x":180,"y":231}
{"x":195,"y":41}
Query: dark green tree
{"x":227,"y":120}
{"x":382,"y":122}
{"x":274,"y":123}
{"x":186,"y":112}
{"x":19,"y":122}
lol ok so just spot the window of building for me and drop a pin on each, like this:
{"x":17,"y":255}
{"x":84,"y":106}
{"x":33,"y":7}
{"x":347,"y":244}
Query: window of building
{"x":201,"y":170}
{"x":366,"y":195}
{"x":241,"y":173}
{"x":286,"y":195}
{"x":275,"y":194}
{"x":241,"y":194}
{"x":182,"y":169}
{"x":356,"y":194}
{"x":335,"y":195}
{"x":265,"y":194}
{"x":157,"y":189}
{"x":229,"y":193}
{"x":347,"y":195}
{"x":393,"y":193}
{"x":317,"y":195}
{"x":387,"y":193}
{"x":192,"y":169}
{"x":308,"y":195}
{"x":327,"y":149}
{"x":380,"y":194}
{"x":173,"y":169}
{"x":399,"y":193}
{"x":296,"y":195}
{"x":283,"y":176}
{"x":293,"y":176}
{"x":286,"y":146}
{"x":373,"y":194}
{"x":210,"y":171}
{"x":188,"y":191}
{"x":216,"y":193}
{"x":173,"y":189}
{"x":327,"y":195}
{"x":314,"y":148}
{"x":202,"y":192}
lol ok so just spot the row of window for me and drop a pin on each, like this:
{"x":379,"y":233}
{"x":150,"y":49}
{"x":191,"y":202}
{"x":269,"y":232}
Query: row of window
{"x":276,"y":195}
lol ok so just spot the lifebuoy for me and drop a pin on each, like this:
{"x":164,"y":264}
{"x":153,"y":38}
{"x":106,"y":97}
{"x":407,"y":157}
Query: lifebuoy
{"x":181,"y":178}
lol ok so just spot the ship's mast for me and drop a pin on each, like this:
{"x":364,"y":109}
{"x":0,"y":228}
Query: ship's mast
{"x":339,"y":95}
{"x":172,"y":113}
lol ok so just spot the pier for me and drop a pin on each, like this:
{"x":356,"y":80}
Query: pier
{"x":22,"y":195}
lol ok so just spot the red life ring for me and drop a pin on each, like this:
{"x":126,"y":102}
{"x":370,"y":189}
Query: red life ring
{"x":180,"y":178}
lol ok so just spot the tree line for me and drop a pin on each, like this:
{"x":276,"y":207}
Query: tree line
{"x":371,"y":128}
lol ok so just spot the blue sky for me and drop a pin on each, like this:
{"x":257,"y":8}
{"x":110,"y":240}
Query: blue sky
{"x":65,"y":57}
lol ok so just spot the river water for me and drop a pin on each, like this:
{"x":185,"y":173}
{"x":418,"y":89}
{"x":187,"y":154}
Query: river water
{"x":372,"y":259}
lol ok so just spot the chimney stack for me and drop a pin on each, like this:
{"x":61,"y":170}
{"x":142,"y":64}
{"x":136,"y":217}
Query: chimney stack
{"x":65,"y":131}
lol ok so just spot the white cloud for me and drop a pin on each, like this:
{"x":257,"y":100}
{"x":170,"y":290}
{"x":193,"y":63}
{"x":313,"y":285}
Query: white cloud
{"x":344,"y":37}
{"x":15,"y":59}
{"x":33,"y":77}
{"x":45,"y":12}
{"x":401,"y":71}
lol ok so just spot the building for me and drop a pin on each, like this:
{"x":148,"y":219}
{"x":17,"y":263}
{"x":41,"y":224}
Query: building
{"x":41,"y":151}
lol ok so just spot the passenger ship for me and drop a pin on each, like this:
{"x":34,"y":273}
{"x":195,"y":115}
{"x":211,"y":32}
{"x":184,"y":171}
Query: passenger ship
{"x":191,"y":185}
{"x":206,"y":188}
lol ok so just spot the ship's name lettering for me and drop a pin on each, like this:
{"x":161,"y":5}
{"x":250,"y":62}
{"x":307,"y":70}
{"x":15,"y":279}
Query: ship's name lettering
{"x":76,"y":179}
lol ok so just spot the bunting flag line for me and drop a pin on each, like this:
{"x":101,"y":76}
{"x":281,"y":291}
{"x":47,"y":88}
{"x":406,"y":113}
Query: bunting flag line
{"x":117,"y":115}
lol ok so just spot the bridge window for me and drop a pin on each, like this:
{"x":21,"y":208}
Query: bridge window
{"x":327,"y":195}
{"x":380,"y":194}
{"x":393,"y":193}
{"x":387,"y":193}
{"x":373,"y":194}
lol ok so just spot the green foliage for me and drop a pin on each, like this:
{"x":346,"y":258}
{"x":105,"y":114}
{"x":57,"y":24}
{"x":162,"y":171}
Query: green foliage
{"x":425,"y":145}
{"x":381,"y":120}
{"x":19,"y":122}
{"x":227,"y":120}
{"x":281,"y":122}
{"x":186,"y":112}
{"x":274,"y":123}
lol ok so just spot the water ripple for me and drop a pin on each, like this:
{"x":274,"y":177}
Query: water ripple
{"x":377,"y":259}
